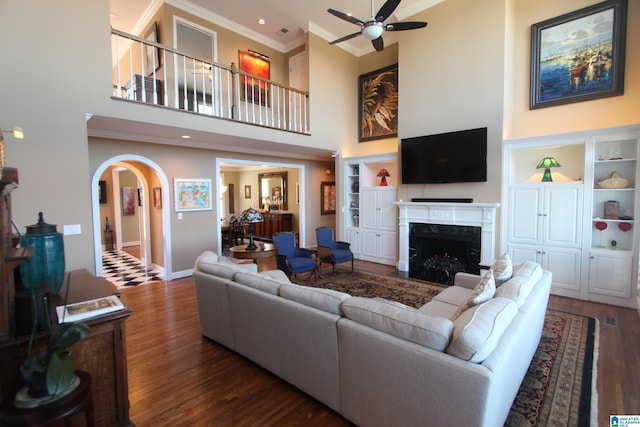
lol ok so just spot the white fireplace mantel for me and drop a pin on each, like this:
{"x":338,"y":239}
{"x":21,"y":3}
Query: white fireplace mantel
{"x":481,"y":215}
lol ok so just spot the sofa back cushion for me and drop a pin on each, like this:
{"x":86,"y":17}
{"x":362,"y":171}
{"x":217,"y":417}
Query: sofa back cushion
{"x":518,"y":288}
{"x":208,"y":262}
{"x":401,"y":321}
{"x":482,"y":292}
{"x":477,"y":331}
{"x":323,"y":299}
{"x":259,"y":281}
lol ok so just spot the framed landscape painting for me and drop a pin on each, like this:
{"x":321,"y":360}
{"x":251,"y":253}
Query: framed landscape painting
{"x":378,"y":104}
{"x":192,"y":194}
{"x":579,"y":56}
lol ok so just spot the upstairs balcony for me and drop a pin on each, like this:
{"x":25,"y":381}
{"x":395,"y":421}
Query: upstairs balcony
{"x":151,"y":73}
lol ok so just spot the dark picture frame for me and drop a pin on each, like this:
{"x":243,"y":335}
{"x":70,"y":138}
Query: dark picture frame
{"x":378,"y":104}
{"x":252,"y":89}
{"x":151,"y":52}
{"x":327,"y":198}
{"x":579,"y":56}
{"x":102,"y":192}
{"x":140,"y":197}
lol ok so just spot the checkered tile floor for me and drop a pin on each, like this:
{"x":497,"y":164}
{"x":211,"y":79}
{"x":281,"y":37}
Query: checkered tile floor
{"x":123,"y":269}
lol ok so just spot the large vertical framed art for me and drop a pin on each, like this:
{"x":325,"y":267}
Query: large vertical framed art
{"x":378,"y":104}
{"x":254,"y":89}
{"x":579,"y":56}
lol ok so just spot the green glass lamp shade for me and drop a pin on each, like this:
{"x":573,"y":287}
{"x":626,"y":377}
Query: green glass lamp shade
{"x":45,"y":268}
{"x":547,"y":163}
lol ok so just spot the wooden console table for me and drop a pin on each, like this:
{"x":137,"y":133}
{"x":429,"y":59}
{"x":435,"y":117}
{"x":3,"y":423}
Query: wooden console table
{"x":102,"y":353}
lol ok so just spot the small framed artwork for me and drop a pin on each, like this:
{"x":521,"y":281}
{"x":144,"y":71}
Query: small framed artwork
{"x":247,"y":191}
{"x":327,"y":198}
{"x":378,"y":104}
{"x":579,"y":56}
{"x":157,"y":197}
{"x":252,"y":89}
{"x":140,"y":197}
{"x":297,"y":193}
{"x":232,"y":202}
{"x":192,"y":194}
{"x":128,"y":201}
{"x":151,"y":53}
{"x":102,"y":192}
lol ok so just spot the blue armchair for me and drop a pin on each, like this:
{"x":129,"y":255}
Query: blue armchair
{"x":293,"y":260}
{"x":330,"y":251}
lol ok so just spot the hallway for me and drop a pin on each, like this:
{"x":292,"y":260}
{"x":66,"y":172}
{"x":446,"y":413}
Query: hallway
{"x":124,"y":269}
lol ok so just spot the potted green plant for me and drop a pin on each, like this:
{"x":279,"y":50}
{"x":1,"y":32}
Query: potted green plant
{"x":52,"y":371}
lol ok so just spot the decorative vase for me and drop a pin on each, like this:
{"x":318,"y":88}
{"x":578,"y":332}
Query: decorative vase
{"x":45,"y":269}
{"x":355,"y":187}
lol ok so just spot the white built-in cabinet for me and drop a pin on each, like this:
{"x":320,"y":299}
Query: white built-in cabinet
{"x":378,"y":225}
{"x":370,"y":217}
{"x":586,"y":235}
{"x":546,"y":226}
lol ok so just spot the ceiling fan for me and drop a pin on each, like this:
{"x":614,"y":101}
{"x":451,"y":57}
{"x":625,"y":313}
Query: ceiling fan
{"x":373,"y":28}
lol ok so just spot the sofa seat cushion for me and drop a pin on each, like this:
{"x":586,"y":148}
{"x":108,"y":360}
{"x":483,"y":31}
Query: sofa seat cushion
{"x":439,"y":309}
{"x":403,"y":322}
{"x":455,"y":295}
{"x":323,"y":299}
{"x":259,"y":281}
{"x":477,"y":331}
{"x":518,"y":288}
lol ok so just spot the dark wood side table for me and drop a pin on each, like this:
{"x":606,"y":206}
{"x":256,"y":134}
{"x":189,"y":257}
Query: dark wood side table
{"x":102,"y":353}
{"x":264,"y":255}
{"x":55,"y":413}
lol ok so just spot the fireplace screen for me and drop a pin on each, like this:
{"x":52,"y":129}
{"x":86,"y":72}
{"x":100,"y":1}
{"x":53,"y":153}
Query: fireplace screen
{"x":438,"y":251}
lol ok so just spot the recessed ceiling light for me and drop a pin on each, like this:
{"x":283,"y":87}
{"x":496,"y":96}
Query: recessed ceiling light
{"x":185,"y":136}
{"x":261,"y":21}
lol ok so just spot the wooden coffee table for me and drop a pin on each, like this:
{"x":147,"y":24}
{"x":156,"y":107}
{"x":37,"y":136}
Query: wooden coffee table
{"x":264,"y":255}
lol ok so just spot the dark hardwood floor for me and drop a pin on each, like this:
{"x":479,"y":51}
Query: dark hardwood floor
{"x":177,"y":377}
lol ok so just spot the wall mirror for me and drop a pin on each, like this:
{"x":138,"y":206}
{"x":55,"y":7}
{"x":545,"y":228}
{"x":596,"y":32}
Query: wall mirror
{"x":272,"y":189}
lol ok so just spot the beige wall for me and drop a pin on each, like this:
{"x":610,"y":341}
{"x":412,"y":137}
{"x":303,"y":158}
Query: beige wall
{"x":468,"y":68}
{"x":600,"y":113}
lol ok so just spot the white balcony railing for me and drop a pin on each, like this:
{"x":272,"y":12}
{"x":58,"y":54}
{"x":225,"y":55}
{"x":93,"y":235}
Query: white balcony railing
{"x":148,"y":72}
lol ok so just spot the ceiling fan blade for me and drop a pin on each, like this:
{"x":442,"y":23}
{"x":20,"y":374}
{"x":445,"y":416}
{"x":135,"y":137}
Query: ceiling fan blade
{"x":350,"y":36}
{"x":387,"y":9}
{"x":378,"y":44}
{"x":405,"y":25}
{"x":346,"y":17}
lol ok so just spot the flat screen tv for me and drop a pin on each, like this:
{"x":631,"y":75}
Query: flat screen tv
{"x":459,"y":156}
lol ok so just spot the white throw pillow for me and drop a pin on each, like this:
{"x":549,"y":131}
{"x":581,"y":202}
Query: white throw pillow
{"x":482,"y":292}
{"x":477,"y":331}
{"x":502,"y":269}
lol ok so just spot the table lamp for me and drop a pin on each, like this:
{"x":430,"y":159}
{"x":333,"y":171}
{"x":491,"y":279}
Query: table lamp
{"x":251,"y":216}
{"x":547,"y":163}
{"x":384,"y":174}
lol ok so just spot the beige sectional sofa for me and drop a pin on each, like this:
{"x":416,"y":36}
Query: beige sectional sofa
{"x":377,"y":362}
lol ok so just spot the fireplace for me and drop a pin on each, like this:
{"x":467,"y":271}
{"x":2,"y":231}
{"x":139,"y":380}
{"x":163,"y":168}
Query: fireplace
{"x":480,"y":216}
{"x":438,"y":251}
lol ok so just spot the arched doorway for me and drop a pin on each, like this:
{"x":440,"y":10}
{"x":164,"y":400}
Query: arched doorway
{"x":129,"y":161}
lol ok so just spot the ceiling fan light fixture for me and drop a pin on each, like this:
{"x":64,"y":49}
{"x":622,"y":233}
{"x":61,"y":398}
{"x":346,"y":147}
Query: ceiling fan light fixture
{"x":372,"y":30}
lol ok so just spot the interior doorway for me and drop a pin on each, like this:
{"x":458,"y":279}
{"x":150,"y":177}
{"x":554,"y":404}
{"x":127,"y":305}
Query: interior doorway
{"x":146,"y":194}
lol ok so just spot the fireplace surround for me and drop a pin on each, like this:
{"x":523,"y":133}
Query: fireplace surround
{"x":482,"y":215}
